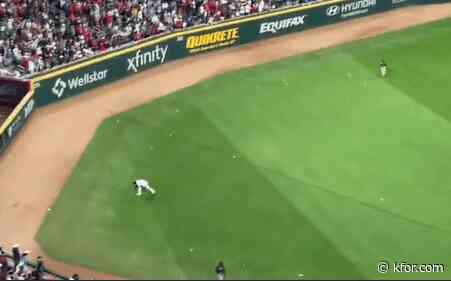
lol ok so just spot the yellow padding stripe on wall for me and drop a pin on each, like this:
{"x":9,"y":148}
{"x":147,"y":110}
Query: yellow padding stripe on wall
{"x":16,"y":111}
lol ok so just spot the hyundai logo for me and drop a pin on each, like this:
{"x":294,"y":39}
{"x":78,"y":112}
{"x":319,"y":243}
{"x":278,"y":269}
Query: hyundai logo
{"x":333,"y":10}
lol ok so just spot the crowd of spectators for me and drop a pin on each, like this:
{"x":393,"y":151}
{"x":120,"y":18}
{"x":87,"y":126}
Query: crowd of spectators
{"x":16,"y":267}
{"x":36,"y":35}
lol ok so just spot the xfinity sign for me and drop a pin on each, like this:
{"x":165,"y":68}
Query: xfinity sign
{"x":155,"y":56}
{"x":61,"y":85}
{"x":275,"y":26}
{"x":350,"y":9}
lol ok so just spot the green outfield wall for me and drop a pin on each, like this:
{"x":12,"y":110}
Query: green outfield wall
{"x":73,"y":79}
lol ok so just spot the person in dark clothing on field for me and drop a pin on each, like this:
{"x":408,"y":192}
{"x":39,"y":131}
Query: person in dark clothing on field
{"x":220,"y":271}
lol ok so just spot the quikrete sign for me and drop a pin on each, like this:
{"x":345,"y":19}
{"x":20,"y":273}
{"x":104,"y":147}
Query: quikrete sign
{"x":218,"y":38}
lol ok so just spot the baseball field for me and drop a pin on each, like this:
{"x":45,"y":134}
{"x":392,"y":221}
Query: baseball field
{"x":309,"y":167}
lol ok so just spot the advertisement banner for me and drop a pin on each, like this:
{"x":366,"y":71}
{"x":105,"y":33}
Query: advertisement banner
{"x":104,"y":69}
{"x":60,"y":84}
{"x":216,"y":39}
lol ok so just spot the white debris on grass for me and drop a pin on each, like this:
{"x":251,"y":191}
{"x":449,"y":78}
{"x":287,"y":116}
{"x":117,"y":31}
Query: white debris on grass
{"x":49,"y":209}
{"x":301,"y":275}
{"x":382,"y":199}
{"x":171,"y":134}
{"x":191,"y":250}
{"x":234,"y":156}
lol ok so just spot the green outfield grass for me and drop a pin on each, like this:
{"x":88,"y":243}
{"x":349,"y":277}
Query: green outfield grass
{"x":335,"y":169}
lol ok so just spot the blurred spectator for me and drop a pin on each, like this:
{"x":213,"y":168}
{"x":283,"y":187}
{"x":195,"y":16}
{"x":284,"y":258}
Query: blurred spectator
{"x":39,"y":270}
{"x":17,"y":267}
{"x":22,"y":265}
{"x":16,"y":255}
{"x":4,"y":268}
{"x":36,"y":35}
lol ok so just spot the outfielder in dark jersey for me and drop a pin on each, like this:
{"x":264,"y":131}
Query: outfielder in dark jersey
{"x":220,"y":271}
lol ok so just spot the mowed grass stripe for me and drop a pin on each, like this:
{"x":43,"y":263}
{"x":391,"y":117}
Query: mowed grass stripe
{"x":413,"y":135}
{"x":424,"y":77}
{"x":346,"y":129}
{"x":335,"y":169}
{"x":364,"y":234}
{"x":243,"y":215}
{"x":94,"y":214}
{"x":192,"y":210}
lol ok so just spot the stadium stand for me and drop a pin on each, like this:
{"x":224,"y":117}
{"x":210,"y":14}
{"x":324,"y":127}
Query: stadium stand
{"x":15,"y":266}
{"x":37,"y":35}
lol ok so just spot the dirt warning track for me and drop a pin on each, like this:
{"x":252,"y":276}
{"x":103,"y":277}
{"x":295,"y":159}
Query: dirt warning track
{"x":36,"y":165}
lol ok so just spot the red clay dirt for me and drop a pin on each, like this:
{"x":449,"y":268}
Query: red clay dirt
{"x":35,"y":167}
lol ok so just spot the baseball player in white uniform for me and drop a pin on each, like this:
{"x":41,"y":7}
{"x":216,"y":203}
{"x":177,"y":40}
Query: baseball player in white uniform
{"x":141,"y":185}
{"x":383,"y":68}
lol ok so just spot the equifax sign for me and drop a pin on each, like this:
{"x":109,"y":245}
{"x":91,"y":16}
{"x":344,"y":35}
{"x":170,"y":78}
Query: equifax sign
{"x":288,"y":23}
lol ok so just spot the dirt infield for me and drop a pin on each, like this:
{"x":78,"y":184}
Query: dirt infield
{"x":34,"y":168}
